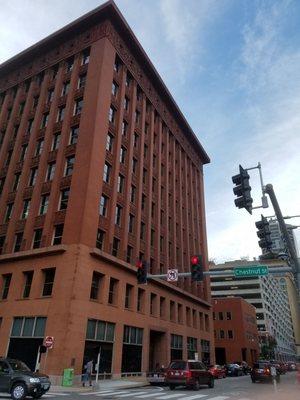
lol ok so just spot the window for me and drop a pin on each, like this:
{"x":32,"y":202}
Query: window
{"x":39,"y":147}
{"x":145,"y":151}
{"x":2,"y":241}
{"x":16,"y":181}
{"x":35,"y":102}
{"x":134,"y":165}
{"x":131,"y":223}
{"x":70,"y":64}
{"x":21,"y":107}
{"x":128,"y":296}
{"x":121,"y":183}
{"x":96,"y":281}
{"x":54,"y":71}
{"x":49,"y":275}
{"x":153,"y":299}
{"x":132,"y":193}
{"x":50,"y":171}
{"x":50,"y":95}
{"x":29,"y":326}
{"x":6,"y":284}
{"x":118,"y":215}
{"x":100,"y":331}
{"x":137,"y":116}
{"x":106,"y":172}
{"x":18,"y":241}
{"x":65,"y":88}
{"x":114,"y":89}
{"x":135,"y":140}
{"x":230,"y":334}
{"x":103,"y":205}
{"x":37,"y":238}
{"x":109,"y":142}
{"x":23,"y":152}
{"x":58,"y":233}
{"x":142,"y":231}
{"x":152,"y":237}
{"x":124,"y":128}
{"x":144,"y":175}
{"x":122,"y":155}
{"x":29,"y":126}
{"x":45,"y":120}
{"x":128,"y":80}
{"x":221,"y":316}
{"x":60,"y":114}
{"x":126,"y":103}
{"x":100,"y":239}
{"x":112,"y":294}
{"x":112,"y":115}
{"x":117,"y":65}
{"x":129,"y":254}
{"x":78,"y":106}
{"x":55,"y":141}
{"x":143,"y":201}
{"x":26,"y":207}
{"x":85,"y":57}
{"x":140,"y":299}
{"x":32,"y":177}
{"x":115,"y":246}
{"x":8,"y":212}
{"x":28,"y":276}
{"x":228,"y":316}
{"x":69,"y":165}
{"x":81,"y":81}
{"x":8,"y":158}
{"x":44,"y":204}
{"x":64,"y":197}
{"x":222,"y":334}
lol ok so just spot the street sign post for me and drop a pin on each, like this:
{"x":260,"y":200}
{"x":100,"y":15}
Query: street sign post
{"x":253,"y":270}
{"x":172,"y":275}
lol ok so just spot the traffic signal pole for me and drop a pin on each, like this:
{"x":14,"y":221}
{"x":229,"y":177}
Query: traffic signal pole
{"x":270,"y":191}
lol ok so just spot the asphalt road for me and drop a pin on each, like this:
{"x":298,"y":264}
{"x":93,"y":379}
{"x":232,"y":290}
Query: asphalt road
{"x":240,"y":388}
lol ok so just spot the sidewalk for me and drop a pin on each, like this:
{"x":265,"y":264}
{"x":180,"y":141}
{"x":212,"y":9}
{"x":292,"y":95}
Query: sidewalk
{"x":106,"y":384}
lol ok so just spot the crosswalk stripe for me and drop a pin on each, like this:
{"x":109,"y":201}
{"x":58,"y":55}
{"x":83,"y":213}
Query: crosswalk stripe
{"x":145,"y":396}
{"x":169,"y":396}
{"x":93,"y":393}
{"x":113,"y":393}
{"x":57,"y":394}
{"x":132,"y":394}
{"x":196,"y":396}
{"x":219,"y":398}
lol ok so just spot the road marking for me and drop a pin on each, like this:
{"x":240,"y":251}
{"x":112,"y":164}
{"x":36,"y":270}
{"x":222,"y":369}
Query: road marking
{"x":170,"y":396}
{"x":196,"y":396}
{"x":145,"y":396}
{"x":113,"y":393}
{"x":93,"y":393}
{"x":132,"y":394}
{"x":56,"y":394}
{"x":219,"y":398}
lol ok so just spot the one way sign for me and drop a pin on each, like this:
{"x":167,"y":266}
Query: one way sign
{"x":172,"y":275}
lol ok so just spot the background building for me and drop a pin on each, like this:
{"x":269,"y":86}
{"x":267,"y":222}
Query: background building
{"x":235,"y":330}
{"x":271,"y":302}
{"x":98,"y":167}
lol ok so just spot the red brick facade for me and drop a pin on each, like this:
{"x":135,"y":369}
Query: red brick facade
{"x":93,"y":152}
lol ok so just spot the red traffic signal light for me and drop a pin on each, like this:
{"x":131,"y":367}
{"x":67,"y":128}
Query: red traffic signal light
{"x":139,"y":263}
{"x":197,"y":268}
{"x":194,"y":260}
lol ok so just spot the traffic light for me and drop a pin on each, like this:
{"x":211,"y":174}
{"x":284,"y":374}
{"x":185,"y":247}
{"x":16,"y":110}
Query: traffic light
{"x":242,"y":190}
{"x":264,"y":233}
{"x":141,"y":272}
{"x":196,"y":268}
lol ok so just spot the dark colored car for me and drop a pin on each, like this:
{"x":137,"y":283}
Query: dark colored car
{"x":217,"y":371}
{"x":18,"y":380}
{"x":188,"y":373}
{"x":262,"y":372}
{"x":234,"y":370}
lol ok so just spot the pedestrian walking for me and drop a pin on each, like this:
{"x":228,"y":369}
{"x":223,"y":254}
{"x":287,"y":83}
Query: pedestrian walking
{"x":89,"y":371}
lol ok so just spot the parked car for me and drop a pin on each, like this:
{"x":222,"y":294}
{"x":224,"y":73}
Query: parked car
{"x":188,"y":373}
{"x":262,"y":372}
{"x":217,"y":371}
{"x":292,"y":366}
{"x":19,"y":381}
{"x":157,"y":377}
{"x":234,"y":370}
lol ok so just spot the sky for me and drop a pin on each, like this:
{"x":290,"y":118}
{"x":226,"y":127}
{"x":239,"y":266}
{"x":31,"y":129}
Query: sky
{"x":233,"y":68}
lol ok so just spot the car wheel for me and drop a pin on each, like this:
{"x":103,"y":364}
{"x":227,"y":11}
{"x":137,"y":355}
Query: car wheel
{"x":18,"y":391}
{"x":196,"y":385}
{"x":172,"y":387}
{"x":211,"y":383}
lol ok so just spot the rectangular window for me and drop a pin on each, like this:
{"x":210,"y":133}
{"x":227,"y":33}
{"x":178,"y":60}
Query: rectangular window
{"x":124,"y":128}
{"x":39,"y":147}
{"x":222,"y":334}
{"x":121,"y":183}
{"x":58,"y":233}
{"x":2,"y":241}
{"x":106,"y":172}
{"x":114,"y":89}
{"x":49,"y":275}
{"x":109,"y":142}
{"x":16,"y":182}
{"x":85,"y":57}
{"x":28,"y":276}
{"x":81,"y":81}
{"x":143,"y":205}
{"x":129,"y":254}
{"x":65,"y":88}
{"x":100,"y":239}
{"x":228,"y":316}
{"x":95,"y":286}
{"x":140,"y":300}
{"x":118,"y":215}
{"x":126,"y":103}
{"x":142,"y":231}
{"x":112,"y":115}
{"x":18,"y":241}
{"x":64,"y":197}
{"x":37,"y":238}
{"x":70,"y":64}
{"x":29,"y":126}
{"x":128,"y":296}
{"x":78,"y":106}
{"x":50,"y":171}
{"x":135,"y":140}
{"x":6,"y":284}
{"x":221,"y":316}
{"x":122,"y":155}
{"x":134,"y":165}
{"x":115,"y":247}
{"x":21,"y":107}
{"x":45,"y":120}
{"x":153,"y":299}
{"x":112,"y":294}
{"x":230,"y":334}
{"x":8,"y":158}
{"x":103,"y":205}
{"x":60,"y":114}
{"x":131,"y":223}
{"x":32,"y":177}
{"x":55,"y":141}
{"x":132,"y":193}
{"x":69,"y":165}
{"x":35,"y":101}
{"x":44,"y":204}
{"x":137,"y":116}
{"x":8,"y":212}
{"x":26,"y":207}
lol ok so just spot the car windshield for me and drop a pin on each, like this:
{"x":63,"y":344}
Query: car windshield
{"x":178,"y":365}
{"x":18,"y":366}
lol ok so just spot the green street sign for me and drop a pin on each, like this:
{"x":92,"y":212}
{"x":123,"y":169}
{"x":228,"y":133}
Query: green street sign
{"x":253,"y":270}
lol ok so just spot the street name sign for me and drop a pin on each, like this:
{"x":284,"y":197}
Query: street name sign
{"x":253,"y":270}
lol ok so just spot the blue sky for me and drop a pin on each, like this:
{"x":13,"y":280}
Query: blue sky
{"x":233,"y":67}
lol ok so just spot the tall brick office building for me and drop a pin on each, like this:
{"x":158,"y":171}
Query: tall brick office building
{"x":98,"y":167}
